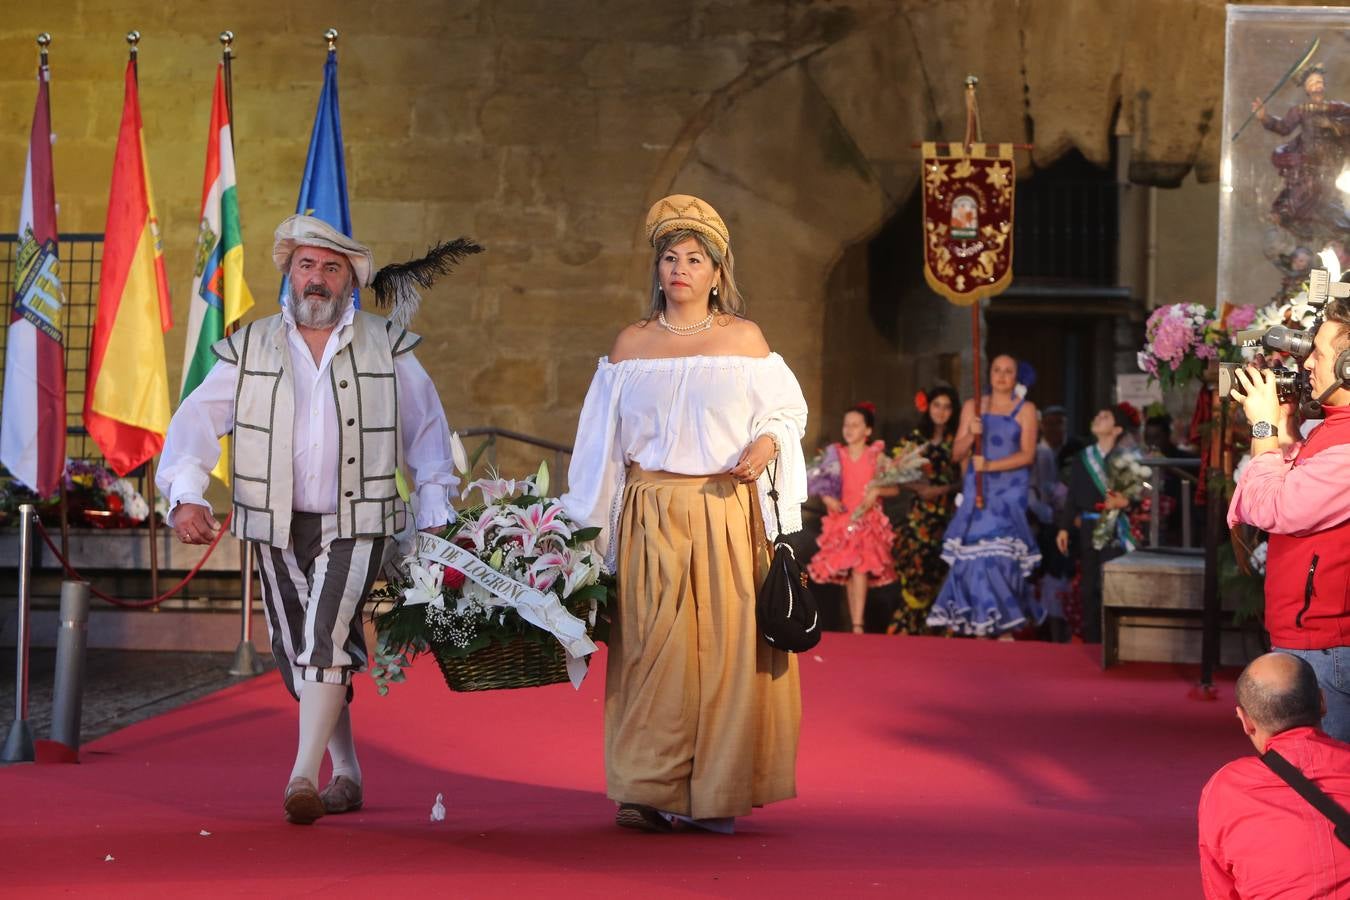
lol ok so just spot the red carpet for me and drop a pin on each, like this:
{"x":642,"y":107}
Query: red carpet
{"x":929,"y":768}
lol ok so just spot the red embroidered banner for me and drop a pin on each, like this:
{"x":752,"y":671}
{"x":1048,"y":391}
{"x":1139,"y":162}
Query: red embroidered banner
{"x":968,"y":220}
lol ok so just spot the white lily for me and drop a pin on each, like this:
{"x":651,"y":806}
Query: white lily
{"x":541,"y":480}
{"x":426,"y":585}
{"x":458,"y":454}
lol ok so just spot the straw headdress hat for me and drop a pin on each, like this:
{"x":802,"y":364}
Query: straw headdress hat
{"x":307,"y":231}
{"x":680,"y":212}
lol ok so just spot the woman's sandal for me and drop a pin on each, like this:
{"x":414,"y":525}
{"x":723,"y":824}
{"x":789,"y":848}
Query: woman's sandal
{"x":857,"y":628}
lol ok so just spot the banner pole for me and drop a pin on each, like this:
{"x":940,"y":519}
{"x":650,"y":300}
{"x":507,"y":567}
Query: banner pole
{"x":973,"y":135}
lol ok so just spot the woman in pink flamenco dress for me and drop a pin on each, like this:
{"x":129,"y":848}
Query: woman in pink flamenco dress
{"x":855,"y":535}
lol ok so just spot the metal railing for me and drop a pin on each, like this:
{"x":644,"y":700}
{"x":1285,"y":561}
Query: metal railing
{"x":1187,"y":471}
{"x":561,"y":452}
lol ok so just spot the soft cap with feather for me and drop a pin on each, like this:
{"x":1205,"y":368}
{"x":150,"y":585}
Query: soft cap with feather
{"x":397,"y":283}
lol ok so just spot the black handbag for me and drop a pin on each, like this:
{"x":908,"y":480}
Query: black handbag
{"x":784,"y":608}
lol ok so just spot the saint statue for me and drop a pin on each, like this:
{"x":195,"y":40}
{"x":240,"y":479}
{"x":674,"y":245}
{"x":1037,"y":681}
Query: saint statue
{"x":1310,"y":206}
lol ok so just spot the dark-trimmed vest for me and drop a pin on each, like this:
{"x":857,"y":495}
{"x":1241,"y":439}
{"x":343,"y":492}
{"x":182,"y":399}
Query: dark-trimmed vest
{"x":370,"y":438}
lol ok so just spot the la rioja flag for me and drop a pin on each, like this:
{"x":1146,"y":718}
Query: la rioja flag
{"x":33,"y":414}
{"x":219,"y":295}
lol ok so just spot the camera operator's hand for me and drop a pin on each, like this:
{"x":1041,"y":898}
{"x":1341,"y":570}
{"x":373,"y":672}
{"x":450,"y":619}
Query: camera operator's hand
{"x":1255,"y":390}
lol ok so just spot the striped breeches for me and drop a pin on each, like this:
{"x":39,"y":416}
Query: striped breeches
{"x":314,"y":589}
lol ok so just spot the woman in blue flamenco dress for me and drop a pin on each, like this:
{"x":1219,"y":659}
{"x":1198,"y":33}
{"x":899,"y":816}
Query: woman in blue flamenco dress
{"x":991,"y":550}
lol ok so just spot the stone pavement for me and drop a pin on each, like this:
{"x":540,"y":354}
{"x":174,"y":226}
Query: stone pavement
{"x":121,"y":686}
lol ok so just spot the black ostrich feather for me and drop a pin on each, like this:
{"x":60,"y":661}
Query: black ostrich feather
{"x":396,"y":284}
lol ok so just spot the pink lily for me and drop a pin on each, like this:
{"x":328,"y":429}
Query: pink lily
{"x":535,"y":523}
{"x":479,"y":530}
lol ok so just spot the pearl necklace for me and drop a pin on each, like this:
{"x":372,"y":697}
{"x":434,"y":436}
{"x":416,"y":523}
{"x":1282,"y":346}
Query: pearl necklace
{"x":685,"y":330}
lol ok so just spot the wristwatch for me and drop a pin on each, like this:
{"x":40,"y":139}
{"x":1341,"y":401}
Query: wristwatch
{"x":1263,"y":430}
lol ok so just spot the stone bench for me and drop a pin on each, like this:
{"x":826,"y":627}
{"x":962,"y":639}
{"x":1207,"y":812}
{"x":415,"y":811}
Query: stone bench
{"x":1156,"y":597}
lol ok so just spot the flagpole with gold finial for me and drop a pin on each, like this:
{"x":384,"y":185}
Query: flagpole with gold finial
{"x":44,"y":41}
{"x":227,"y":56}
{"x":133,"y":43}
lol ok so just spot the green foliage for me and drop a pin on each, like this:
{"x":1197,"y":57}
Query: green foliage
{"x":1247,"y":591}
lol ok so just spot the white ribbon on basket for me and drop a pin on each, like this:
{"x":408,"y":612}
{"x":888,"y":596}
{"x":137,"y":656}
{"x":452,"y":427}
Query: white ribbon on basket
{"x":539,"y":609}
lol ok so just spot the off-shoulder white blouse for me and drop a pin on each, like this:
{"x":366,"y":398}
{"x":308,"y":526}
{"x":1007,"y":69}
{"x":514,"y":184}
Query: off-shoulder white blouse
{"x":690,"y":415}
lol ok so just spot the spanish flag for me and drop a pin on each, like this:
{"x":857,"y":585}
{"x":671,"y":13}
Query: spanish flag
{"x":126,"y":399}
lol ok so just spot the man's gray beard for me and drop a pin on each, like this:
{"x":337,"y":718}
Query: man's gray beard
{"x":315,"y":312}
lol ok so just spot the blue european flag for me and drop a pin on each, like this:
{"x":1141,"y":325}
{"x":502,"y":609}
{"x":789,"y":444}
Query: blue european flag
{"x":323,"y":190}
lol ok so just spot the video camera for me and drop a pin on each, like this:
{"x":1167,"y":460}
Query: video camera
{"x":1291,"y":384}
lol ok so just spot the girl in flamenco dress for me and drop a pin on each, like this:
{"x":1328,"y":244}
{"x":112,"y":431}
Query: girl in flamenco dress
{"x":991,"y":549}
{"x":855,"y":535}
{"x":918,"y":538}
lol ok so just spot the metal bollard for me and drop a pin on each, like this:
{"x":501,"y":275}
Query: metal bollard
{"x":19,"y":743}
{"x":246,"y":660}
{"x":71,"y":640}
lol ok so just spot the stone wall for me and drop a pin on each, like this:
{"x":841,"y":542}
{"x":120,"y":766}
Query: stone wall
{"x":545,"y":129}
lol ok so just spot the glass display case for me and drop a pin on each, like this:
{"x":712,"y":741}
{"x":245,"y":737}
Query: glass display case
{"x":1285,"y":158}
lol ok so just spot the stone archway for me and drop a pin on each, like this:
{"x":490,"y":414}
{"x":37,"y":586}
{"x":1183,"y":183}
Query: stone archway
{"x":809,"y":153}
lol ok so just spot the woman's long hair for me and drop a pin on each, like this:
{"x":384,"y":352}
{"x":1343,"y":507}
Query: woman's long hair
{"x":927,"y":427}
{"x":728,"y":299}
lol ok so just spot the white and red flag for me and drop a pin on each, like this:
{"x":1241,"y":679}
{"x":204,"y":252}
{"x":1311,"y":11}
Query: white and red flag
{"x":33,"y":412}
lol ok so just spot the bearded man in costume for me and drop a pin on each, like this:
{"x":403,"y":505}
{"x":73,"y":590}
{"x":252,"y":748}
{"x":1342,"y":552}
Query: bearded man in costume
{"x":327,"y":402}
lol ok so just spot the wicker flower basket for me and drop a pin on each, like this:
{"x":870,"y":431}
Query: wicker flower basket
{"x":514,"y":664}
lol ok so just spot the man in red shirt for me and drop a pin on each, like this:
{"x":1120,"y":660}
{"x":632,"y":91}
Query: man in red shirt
{"x":1258,"y":837}
{"x":1299,"y":492}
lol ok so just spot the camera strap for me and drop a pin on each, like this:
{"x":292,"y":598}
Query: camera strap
{"x":1291,"y":776}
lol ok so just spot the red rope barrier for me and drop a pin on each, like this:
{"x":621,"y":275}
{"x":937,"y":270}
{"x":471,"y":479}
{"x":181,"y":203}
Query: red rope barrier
{"x":134,"y":604}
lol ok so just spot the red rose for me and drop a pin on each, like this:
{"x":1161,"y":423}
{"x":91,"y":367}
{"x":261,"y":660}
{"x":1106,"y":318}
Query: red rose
{"x":921,"y":402}
{"x":454,"y":579}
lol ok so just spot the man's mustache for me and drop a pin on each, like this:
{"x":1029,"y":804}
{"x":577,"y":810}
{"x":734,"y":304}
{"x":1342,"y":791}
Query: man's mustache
{"x":318,"y":290}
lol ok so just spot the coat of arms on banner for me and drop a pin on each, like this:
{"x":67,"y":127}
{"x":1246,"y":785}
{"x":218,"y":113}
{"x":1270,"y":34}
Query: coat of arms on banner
{"x":968,"y":220}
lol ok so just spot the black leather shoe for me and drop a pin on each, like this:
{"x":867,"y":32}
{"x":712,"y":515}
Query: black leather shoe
{"x":641,"y":818}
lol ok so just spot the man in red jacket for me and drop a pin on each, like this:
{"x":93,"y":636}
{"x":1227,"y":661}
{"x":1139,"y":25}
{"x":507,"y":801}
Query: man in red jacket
{"x":1258,"y":837}
{"x":1299,"y":492}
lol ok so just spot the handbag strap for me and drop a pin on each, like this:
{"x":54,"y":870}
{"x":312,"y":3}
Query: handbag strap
{"x":1291,"y":776}
{"x":773,"y":495}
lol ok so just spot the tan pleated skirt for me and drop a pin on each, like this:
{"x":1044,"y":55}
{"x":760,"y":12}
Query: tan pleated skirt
{"x":701,"y":715}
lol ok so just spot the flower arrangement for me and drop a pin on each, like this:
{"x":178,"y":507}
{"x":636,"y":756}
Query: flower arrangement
{"x":905,"y":465}
{"x":511,"y":583}
{"x":94,"y":496}
{"x":1128,"y":477}
{"x":824,"y":478}
{"x":1177,"y":345}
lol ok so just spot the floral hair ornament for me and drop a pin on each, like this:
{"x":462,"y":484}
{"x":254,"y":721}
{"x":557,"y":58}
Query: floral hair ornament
{"x":1026,"y":379}
{"x":867,"y":405}
{"x":921,"y":402}
{"x":1130,"y":412}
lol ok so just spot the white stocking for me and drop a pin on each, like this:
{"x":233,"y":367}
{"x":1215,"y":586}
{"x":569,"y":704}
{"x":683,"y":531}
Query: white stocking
{"x":320,"y":706}
{"x":342,"y":747}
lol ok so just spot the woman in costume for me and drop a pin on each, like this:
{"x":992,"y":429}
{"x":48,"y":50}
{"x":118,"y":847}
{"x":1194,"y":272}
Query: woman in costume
{"x":990,"y":548}
{"x":918,"y":540}
{"x":855,"y":535}
{"x":681,"y":426}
